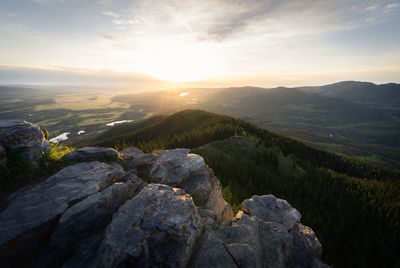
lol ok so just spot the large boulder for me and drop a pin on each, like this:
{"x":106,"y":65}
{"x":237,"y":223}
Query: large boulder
{"x":271,"y":209}
{"x":3,"y":155}
{"x":156,"y":228}
{"x":256,"y":239}
{"x":178,"y":168}
{"x":86,"y":219}
{"x":92,"y":153}
{"x":32,"y":215}
{"x":23,"y":141}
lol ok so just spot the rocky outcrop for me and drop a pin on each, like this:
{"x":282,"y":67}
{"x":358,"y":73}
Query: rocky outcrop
{"x":23,"y":141}
{"x":157,"y":228}
{"x":178,"y":168}
{"x":3,"y":155}
{"x":33,"y":213}
{"x":271,"y":209}
{"x":265,"y":238}
{"x":91,"y":153}
{"x":162,"y":210}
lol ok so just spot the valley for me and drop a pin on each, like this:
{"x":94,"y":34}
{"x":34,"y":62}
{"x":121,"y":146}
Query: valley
{"x":328,"y":117}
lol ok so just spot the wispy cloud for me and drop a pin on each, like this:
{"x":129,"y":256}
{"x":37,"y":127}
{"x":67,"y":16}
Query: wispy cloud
{"x":123,"y":22}
{"x":221,"y":20}
{"x":371,"y":8}
{"x":110,"y":14}
{"x":391,"y":7}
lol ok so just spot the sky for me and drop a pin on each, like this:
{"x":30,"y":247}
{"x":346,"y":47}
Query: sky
{"x":200,"y":43}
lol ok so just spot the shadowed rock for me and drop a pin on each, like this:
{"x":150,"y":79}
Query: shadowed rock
{"x":142,"y":164}
{"x":212,"y":253}
{"x":262,"y":240}
{"x":87,"y":218}
{"x":132,"y":151}
{"x":23,"y":141}
{"x":156,"y":228}
{"x":91,"y":153}
{"x":34,"y":211}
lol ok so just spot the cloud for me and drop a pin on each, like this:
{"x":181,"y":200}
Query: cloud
{"x":391,"y":7}
{"x":294,"y":17}
{"x":110,"y":14}
{"x":371,"y":8}
{"x":220,"y":20}
{"x":123,"y":22}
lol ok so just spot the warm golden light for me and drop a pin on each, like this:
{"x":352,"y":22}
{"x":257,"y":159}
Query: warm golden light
{"x":170,"y":59}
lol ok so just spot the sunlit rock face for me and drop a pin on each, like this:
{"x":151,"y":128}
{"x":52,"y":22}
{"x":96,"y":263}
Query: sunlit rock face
{"x":23,"y":141}
{"x":271,"y":209}
{"x":178,"y":168}
{"x":160,"y":210}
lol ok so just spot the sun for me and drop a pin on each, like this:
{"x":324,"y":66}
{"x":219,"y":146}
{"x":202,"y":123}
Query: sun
{"x":174,"y":61}
{"x":180,"y":63}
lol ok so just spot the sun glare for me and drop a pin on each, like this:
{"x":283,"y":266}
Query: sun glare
{"x":174,"y":61}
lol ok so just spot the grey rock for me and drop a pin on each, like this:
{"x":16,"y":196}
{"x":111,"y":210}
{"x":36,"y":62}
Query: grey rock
{"x":84,"y":252}
{"x":23,"y":141}
{"x":92,"y":213}
{"x":156,"y":228}
{"x":276,"y":245}
{"x":141,"y":164}
{"x":32,"y":216}
{"x":243,"y":254}
{"x":132,"y":150}
{"x":87,"y":218}
{"x":130,"y":153}
{"x":3,"y":155}
{"x":170,"y":167}
{"x":271,"y":209}
{"x":310,"y":240}
{"x":243,"y":233}
{"x":91,"y":153}
{"x":208,"y":216}
{"x":212,"y":253}
{"x":256,"y":241}
{"x":178,"y":168}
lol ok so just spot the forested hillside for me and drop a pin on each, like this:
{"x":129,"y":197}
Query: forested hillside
{"x":353,"y":206}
